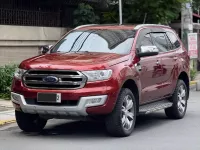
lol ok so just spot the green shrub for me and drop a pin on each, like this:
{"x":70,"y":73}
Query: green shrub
{"x":193,"y":74}
{"x":6,"y":75}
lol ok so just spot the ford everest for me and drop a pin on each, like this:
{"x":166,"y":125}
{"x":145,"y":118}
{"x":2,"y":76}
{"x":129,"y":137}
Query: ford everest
{"x":114,"y":72}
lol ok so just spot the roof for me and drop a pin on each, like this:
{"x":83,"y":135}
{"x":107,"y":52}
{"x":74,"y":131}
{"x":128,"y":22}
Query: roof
{"x":117,"y":26}
{"x":105,"y":26}
{"x":150,"y":25}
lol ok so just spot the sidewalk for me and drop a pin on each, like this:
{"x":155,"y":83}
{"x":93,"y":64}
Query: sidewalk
{"x":6,"y":103}
{"x":7,"y":114}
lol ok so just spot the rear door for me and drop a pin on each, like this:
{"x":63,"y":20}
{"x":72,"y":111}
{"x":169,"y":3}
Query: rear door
{"x":168,"y":61}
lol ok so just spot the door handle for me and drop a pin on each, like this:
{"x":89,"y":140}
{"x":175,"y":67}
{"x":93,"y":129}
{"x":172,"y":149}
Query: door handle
{"x":158,"y":62}
{"x":175,"y":58}
{"x":138,"y":67}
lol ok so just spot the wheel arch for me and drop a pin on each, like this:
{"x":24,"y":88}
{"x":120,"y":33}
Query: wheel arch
{"x":132,"y":85}
{"x":184,"y":76}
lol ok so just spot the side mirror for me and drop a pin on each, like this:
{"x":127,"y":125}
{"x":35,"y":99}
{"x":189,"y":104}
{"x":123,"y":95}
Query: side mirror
{"x":145,"y":51}
{"x":44,"y":49}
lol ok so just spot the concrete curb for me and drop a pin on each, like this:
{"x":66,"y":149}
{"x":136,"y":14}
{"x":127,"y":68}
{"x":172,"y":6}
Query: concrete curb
{"x":4,"y":122}
{"x":6,"y":106}
{"x":6,"y":103}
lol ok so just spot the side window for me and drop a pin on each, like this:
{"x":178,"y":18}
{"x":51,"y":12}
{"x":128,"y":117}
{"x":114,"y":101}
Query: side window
{"x":174,"y":40}
{"x":160,"y":41}
{"x":146,"y":40}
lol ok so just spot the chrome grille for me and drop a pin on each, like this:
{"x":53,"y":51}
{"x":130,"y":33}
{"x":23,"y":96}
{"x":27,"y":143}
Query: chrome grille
{"x":66,"y":79}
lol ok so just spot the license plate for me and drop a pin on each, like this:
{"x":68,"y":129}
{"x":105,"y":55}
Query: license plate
{"x":49,"y":97}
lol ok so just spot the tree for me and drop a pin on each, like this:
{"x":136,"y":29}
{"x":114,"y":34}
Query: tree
{"x":85,"y":14}
{"x":150,"y":11}
{"x":196,"y":5}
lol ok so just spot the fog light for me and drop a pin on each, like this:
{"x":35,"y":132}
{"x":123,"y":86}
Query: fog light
{"x":95,"y":101}
{"x":15,"y":97}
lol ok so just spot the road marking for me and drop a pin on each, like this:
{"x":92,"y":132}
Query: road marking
{"x":193,"y":82}
{"x":3,"y":122}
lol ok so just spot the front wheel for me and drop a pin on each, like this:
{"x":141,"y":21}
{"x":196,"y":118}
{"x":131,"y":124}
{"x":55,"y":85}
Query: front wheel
{"x":121,"y":121}
{"x":29,"y":122}
{"x":179,"y":99}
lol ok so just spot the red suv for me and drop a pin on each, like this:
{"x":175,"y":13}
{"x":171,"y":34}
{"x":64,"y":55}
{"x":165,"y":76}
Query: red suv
{"x":104,"y":71}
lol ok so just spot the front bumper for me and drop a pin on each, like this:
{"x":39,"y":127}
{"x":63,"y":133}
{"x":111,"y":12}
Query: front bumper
{"x":79,"y":110}
{"x":89,"y":90}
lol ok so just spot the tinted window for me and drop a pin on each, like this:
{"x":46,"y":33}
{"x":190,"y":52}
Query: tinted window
{"x":103,"y":41}
{"x":174,"y":40}
{"x":146,"y":40}
{"x":160,"y":41}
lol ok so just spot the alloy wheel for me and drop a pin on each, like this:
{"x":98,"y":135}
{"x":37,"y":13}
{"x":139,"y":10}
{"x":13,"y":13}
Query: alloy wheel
{"x":127,"y":117}
{"x":182,"y":99}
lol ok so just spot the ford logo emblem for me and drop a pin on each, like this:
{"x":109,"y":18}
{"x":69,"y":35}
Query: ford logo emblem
{"x":51,"y":79}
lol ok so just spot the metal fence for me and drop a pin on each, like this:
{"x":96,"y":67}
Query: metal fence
{"x":57,"y":13}
{"x":29,"y":18}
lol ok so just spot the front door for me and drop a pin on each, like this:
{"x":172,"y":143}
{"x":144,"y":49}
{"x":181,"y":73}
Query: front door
{"x":151,"y":69}
{"x":151,"y":77}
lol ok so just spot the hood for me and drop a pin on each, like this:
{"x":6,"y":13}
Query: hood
{"x":77,"y":61}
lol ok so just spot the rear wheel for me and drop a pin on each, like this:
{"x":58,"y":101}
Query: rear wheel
{"x":121,"y":121}
{"x":30,"y":122}
{"x":179,"y":99}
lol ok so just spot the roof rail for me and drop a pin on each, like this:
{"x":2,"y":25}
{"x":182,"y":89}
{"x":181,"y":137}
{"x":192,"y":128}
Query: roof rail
{"x":146,"y":25}
{"x":86,"y":25}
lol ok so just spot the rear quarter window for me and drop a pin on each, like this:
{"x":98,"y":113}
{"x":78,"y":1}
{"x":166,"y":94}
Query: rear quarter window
{"x":174,"y":40}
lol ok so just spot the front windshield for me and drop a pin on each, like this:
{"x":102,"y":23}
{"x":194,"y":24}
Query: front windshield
{"x":103,"y":41}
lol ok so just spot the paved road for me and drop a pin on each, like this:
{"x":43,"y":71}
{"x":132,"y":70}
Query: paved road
{"x":153,"y":132}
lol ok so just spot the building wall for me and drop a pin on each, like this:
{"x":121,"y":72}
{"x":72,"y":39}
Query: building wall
{"x":21,"y":42}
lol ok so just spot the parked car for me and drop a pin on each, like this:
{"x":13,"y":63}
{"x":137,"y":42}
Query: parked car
{"x":108,"y":72}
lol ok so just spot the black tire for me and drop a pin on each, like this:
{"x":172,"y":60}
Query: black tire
{"x":174,"y":112}
{"x":114,"y":123}
{"x":29,"y":122}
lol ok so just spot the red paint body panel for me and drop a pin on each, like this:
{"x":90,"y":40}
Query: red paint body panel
{"x":153,"y":82}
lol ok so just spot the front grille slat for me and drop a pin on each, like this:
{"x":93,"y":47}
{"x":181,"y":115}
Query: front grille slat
{"x":59,"y":83}
{"x":60,"y":72}
{"x":66,"y":79}
{"x":60,"y":76}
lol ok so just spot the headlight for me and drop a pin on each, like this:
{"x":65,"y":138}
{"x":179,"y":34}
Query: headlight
{"x":18,"y":73}
{"x":98,"y":75}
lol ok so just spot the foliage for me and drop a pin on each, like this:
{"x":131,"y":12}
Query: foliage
{"x":196,"y":5}
{"x":193,"y":74}
{"x":134,"y":11}
{"x":85,"y":14}
{"x":6,"y":75}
